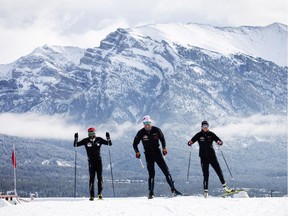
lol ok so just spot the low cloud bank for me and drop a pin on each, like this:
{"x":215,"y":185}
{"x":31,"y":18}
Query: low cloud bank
{"x":259,"y":126}
{"x":58,"y":127}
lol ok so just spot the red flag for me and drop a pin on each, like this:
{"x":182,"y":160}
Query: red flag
{"x":13,"y":158}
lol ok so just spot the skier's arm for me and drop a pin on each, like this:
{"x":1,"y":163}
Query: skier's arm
{"x":76,"y":143}
{"x":217,"y":139}
{"x":162,"y":138}
{"x":104,"y":142}
{"x":193,"y":139}
{"x":163,"y":141}
{"x":136,"y":141}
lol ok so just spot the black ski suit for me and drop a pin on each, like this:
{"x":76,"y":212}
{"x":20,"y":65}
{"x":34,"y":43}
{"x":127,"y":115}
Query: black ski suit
{"x":207,"y":155}
{"x":94,"y":160}
{"x":150,"y":140}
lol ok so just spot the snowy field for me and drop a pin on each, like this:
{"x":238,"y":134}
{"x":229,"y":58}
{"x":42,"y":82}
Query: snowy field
{"x":134,"y":206}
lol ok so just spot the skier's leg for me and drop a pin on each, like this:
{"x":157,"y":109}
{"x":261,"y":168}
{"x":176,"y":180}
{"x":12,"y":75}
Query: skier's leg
{"x":92,"y":178}
{"x":216,"y":166}
{"x":164,"y":168}
{"x":151,"y":172}
{"x":151,"y":187}
{"x":99,"y":176}
{"x":205,"y":170}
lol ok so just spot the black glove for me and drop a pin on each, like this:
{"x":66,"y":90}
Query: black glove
{"x":76,"y":135}
{"x":108,"y":139}
{"x":107,"y":136}
{"x":75,"y":139}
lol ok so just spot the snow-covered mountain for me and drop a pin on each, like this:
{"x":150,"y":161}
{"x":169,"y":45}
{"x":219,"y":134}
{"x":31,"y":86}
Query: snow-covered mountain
{"x":170,"y":71}
{"x":177,"y":73}
{"x":265,"y":42}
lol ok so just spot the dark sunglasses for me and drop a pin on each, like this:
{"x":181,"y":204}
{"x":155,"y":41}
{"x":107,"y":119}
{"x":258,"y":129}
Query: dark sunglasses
{"x":146,"y":123}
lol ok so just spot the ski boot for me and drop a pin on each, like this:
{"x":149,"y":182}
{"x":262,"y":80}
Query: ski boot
{"x":100,"y":197}
{"x":205,"y":193}
{"x":151,"y":195}
{"x":91,"y":198}
{"x":227,"y":189}
{"x":176,"y":192}
{"x":151,"y":188}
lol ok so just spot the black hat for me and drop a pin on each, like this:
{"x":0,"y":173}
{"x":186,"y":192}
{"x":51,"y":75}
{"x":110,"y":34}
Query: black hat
{"x":204,"y":123}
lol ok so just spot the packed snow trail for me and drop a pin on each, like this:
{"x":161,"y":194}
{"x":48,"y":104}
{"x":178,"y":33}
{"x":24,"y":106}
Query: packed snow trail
{"x":178,"y":206}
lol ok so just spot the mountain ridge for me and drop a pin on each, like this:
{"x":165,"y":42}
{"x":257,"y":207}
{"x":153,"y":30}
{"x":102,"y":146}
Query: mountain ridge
{"x":130,"y":75}
{"x":224,"y":37}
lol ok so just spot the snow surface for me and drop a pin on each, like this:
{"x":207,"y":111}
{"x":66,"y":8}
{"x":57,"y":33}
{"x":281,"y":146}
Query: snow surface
{"x":182,"y":206}
{"x":254,"y":41}
{"x":72,"y":54}
{"x":5,"y":70}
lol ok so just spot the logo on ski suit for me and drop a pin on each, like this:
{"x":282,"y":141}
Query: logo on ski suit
{"x":145,"y":138}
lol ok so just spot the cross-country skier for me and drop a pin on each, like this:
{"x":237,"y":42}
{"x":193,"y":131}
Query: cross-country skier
{"x":150,"y":136}
{"x":93,"y":145}
{"x":207,"y":155}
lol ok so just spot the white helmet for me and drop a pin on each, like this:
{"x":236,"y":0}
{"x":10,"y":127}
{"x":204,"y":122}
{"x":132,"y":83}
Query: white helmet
{"x":146,"y":118}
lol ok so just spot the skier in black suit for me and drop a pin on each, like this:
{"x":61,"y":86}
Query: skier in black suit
{"x":92,"y":145}
{"x":150,"y":136}
{"x":207,"y":155}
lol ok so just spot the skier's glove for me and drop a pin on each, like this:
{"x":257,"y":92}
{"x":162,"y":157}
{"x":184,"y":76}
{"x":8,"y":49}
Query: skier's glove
{"x":75,"y":139}
{"x":108,"y":139}
{"x":107,"y":136}
{"x":190,"y":143}
{"x":219,"y":143}
{"x":164,"y":151}
{"x":76,"y":136}
{"x":138,"y":155}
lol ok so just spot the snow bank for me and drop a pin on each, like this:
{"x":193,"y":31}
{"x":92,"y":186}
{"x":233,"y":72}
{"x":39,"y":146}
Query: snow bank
{"x":178,"y":206}
{"x":242,"y":194}
{"x":3,"y":203}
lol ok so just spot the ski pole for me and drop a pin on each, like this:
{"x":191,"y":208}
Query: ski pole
{"x":226,"y":164}
{"x":108,"y":139}
{"x":111,"y":173}
{"x":188,"y":167}
{"x":141,"y":163}
{"x":75,"y":174}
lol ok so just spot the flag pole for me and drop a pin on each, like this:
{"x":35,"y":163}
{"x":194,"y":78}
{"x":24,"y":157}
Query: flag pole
{"x":14,"y":166}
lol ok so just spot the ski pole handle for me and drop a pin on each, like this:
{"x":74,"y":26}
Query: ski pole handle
{"x":141,"y":163}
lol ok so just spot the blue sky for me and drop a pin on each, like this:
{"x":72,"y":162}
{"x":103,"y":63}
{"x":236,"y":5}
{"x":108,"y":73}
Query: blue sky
{"x":25,"y":25}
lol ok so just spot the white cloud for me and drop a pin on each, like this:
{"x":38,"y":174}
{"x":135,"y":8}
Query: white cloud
{"x":259,"y":126}
{"x":25,"y":25}
{"x":37,"y":126}
{"x":262,"y":127}
{"x":32,"y":125}
{"x":118,"y":131}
